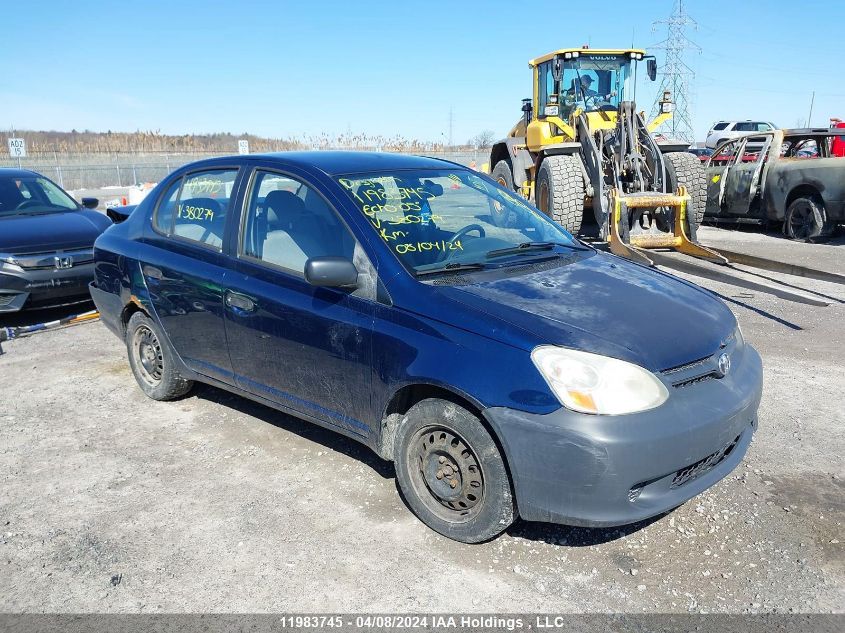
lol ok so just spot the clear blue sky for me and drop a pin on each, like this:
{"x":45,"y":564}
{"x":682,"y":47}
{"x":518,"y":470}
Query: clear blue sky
{"x":280,"y":68}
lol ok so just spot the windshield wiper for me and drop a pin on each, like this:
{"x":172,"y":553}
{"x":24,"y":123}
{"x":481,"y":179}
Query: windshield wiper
{"x":453,"y":267}
{"x":527,"y":247}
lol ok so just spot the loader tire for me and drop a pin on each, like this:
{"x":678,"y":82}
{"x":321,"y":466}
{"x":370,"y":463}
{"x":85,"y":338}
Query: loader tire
{"x":683,"y":168}
{"x":560,"y":191}
{"x":503,"y":175}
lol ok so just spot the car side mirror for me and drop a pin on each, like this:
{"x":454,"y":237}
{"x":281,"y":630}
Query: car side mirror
{"x":651,"y":68}
{"x":90,"y":203}
{"x":331,"y":272}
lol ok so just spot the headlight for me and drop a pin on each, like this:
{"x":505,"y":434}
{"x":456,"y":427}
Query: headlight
{"x":8,"y":262}
{"x":591,"y":383}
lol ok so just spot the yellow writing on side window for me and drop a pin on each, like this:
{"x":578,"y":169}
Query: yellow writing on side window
{"x":190,"y":212}
{"x":204,"y":185}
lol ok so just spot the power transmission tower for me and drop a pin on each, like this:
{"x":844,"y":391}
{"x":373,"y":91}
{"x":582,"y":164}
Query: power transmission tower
{"x":676,"y":75}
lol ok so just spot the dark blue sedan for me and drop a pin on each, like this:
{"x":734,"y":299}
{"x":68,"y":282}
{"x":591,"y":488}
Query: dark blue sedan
{"x":506,"y":368}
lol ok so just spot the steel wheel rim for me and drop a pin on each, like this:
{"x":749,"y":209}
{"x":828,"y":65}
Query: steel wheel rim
{"x":802,"y":221}
{"x":543,"y":198}
{"x":446,"y":474}
{"x":147,"y":351}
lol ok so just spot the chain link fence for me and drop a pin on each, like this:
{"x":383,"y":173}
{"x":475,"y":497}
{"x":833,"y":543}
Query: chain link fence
{"x":94,"y":171}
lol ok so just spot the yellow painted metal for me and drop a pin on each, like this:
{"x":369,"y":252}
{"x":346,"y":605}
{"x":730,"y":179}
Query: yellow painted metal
{"x":539,"y":134}
{"x":678,"y":240}
{"x":659,"y":120}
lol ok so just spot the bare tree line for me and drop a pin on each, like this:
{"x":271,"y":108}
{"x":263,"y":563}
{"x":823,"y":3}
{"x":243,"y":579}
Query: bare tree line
{"x":153,"y":141}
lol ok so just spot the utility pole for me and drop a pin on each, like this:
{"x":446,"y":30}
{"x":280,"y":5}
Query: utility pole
{"x":676,"y":75}
{"x":450,"y":126}
{"x":812,"y":101}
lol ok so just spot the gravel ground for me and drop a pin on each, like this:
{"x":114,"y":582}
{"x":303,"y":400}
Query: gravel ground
{"x":113,"y":502}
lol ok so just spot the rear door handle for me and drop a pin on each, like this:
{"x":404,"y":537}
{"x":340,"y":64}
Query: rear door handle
{"x":239,"y":302}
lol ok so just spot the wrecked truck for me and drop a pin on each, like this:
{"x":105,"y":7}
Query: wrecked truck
{"x":793,"y":182}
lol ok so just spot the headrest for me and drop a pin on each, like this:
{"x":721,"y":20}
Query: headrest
{"x":282,"y":208}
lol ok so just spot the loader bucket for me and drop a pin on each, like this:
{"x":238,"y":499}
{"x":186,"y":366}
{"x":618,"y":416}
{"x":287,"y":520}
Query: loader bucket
{"x":632,"y":243}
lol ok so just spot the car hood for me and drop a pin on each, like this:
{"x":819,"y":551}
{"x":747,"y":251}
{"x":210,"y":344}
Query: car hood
{"x":606,"y":305}
{"x":51,"y":231}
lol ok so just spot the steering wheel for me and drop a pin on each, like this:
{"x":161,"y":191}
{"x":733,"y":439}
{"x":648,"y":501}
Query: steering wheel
{"x":26,"y":204}
{"x":461,"y":233}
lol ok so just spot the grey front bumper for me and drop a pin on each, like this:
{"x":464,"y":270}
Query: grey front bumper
{"x":41,"y":288}
{"x":600,"y":471}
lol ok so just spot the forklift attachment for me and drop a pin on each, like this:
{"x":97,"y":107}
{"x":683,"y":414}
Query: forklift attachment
{"x":631,"y":244}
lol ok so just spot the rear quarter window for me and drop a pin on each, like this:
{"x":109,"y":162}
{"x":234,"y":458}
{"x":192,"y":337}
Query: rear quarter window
{"x":720,"y":126}
{"x":163,"y":217}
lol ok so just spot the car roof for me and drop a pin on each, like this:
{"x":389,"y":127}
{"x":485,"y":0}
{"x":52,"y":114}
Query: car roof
{"x":14,"y":171}
{"x":339,"y":162}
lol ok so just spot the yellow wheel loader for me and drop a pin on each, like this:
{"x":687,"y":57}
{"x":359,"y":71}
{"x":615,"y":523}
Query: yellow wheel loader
{"x":581,"y":146}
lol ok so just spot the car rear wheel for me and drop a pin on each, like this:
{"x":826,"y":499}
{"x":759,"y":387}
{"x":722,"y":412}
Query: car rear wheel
{"x":152,"y":360}
{"x":806,"y":220}
{"x":451,"y":472}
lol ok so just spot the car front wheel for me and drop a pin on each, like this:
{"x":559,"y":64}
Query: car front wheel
{"x":152,"y":360}
{"x":451,"y":472}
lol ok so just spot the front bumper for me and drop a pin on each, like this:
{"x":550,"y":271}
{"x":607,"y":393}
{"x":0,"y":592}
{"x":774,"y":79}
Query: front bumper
{"x":43,"y":288}
{"x":600,"y":471}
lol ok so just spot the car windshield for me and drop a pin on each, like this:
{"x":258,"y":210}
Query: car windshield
{"x":448,"y":220}
{"x":30,"y":195}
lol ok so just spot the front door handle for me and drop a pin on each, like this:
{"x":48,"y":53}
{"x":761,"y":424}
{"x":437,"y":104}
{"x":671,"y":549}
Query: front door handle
{"x":239,"y":302}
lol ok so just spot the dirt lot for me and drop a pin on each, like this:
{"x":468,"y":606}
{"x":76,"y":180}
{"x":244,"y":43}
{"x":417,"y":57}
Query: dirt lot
{"x":113,"y":502}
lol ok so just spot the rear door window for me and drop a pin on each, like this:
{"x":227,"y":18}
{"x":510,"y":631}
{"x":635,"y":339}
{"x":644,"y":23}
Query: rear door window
{"x":195,"y":208}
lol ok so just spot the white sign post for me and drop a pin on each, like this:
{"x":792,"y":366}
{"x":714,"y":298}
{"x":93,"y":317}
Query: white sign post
{"x":243,"y":147}
{"x":17,"y":149}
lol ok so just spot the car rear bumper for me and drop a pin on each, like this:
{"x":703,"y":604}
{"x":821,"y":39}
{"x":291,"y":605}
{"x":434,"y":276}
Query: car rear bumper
{"x":600,"y":471}
{"x":110,"y":307}
{"x":44,"y":288}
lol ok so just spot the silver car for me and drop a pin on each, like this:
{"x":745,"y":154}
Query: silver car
{"x":726,"y":130}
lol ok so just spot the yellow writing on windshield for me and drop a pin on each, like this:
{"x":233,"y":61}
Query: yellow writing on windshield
{"x":385,"y":204}
{"x":422,"y":247}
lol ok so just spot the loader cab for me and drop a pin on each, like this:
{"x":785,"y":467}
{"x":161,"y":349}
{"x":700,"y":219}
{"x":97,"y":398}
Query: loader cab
{"x":569,"y":81}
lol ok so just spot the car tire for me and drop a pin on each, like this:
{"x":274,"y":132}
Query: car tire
{"x":559,"y":192}
{"x":683,"y":168}
{"x":451,"y":472}
{"x":152,"y":360}
{"x":806,"y":220}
